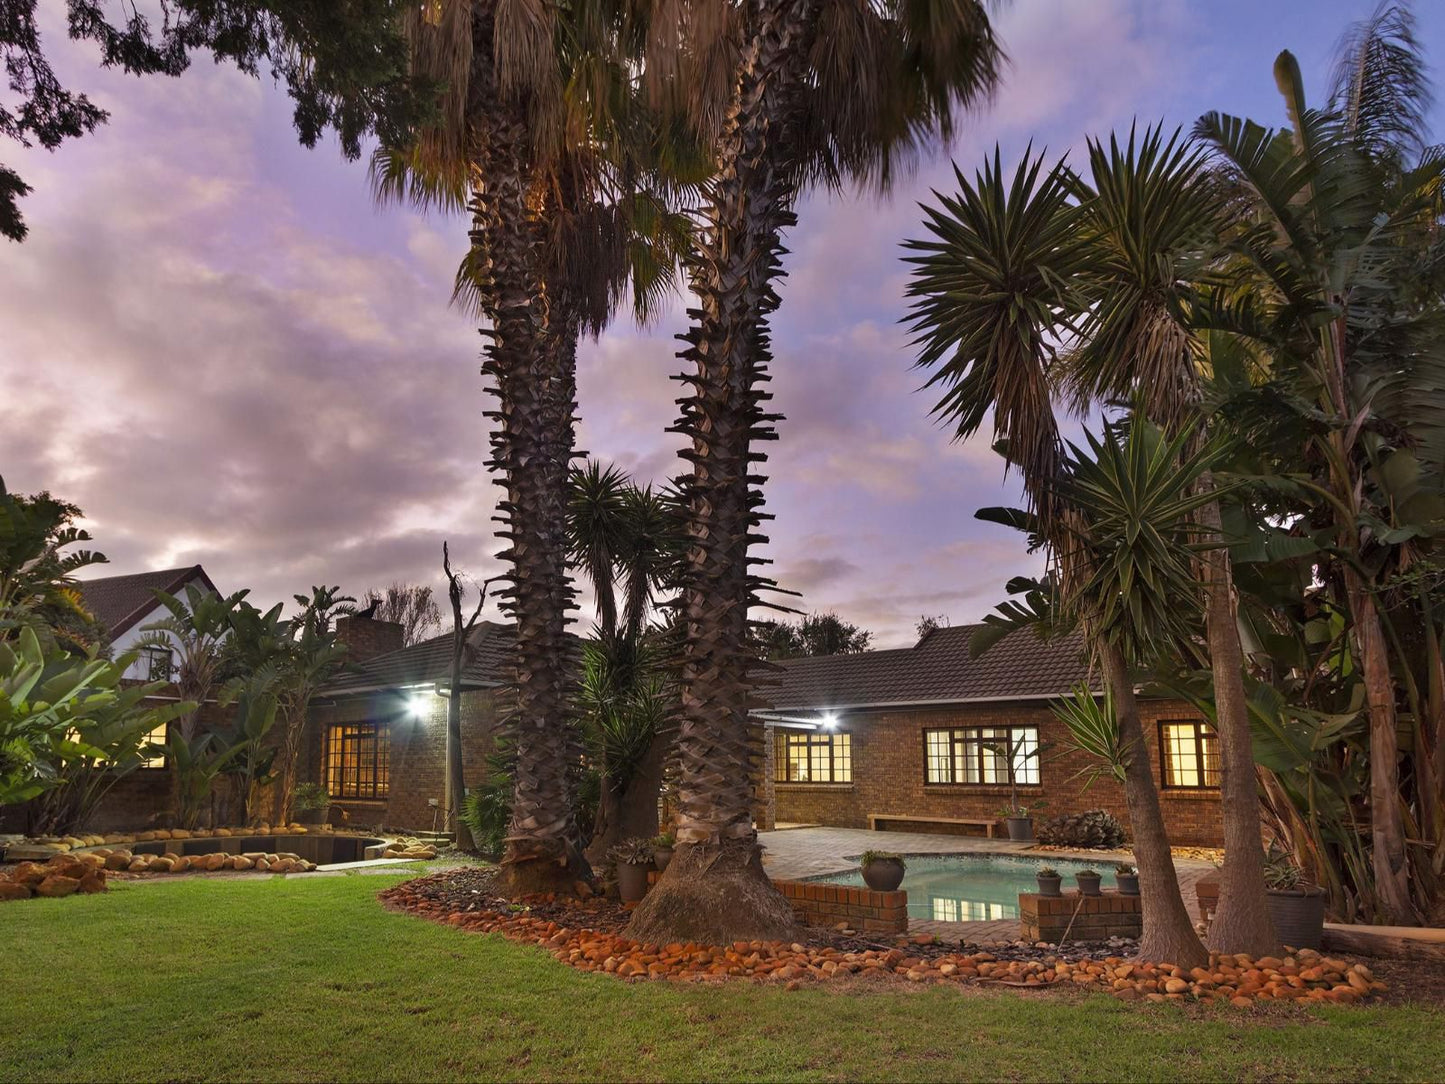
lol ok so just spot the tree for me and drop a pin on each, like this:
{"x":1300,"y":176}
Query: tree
{"x":37,"y":579}
{"x":409,"y":605}
{"x":930,"y":622}
{"x":815,"y":634}
{"x":991,"y":288}
{"x":344,"y":65}
{"x":793,"y":91}
{"x":456,"y":787}
{"x":313,"y":656}
{"x":195,"y":628}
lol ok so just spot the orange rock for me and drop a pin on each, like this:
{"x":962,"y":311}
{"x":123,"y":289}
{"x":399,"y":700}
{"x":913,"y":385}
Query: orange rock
{"x":56,"y":886}
{"x":11,"y":890}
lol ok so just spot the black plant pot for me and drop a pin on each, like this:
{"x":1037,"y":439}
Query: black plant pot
{"x":1020,"y":829}
{"x":661,"y":856}
{"x":883,"y":874}
{"x":632,"y":881}
{"x":1298,"y":916}
{"x":312,"y":816}
{"x":1128,"y":883}
{"x":1049,"y":886}
{"x":1088,"y":886}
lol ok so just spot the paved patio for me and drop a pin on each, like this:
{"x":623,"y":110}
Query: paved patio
{"x":800,"y":853}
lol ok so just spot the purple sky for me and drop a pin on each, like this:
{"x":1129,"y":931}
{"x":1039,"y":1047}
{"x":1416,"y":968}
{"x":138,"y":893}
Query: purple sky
{"x":218,"y":346}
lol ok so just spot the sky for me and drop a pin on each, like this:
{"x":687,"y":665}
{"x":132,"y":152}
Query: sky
{"x":220,"y":347}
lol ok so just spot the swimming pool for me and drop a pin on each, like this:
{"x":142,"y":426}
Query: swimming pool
{"x":974,"y":887}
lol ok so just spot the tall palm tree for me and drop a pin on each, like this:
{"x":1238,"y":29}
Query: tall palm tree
{"x":539,"y":138}
{"x":1152,"y":216}
{"x":1336,"y":216}
{"x":995,"y":290}
{"x":791,"y":92}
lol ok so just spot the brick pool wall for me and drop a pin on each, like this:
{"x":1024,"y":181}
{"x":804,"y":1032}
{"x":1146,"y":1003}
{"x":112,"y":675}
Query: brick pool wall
{"x":862,"y":908}
{"x":1086,"y":918}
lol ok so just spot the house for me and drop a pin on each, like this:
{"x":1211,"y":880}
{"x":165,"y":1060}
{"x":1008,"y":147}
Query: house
{"x":376,"y":735}
{"x":125,"y":605}
{"x":914,"y":739}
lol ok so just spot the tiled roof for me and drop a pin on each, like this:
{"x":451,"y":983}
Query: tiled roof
{"x":430,"y":661}
{"x":936,"y":670}
{"x":118,"y":602}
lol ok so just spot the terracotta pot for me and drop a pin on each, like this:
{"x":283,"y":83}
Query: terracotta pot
{"x":1088,"y":886}
{"x":1020,"y":829}
{"x":883,"y":874}
{"x":632,"y":881}
{"x":1298,"y":915}
{"x":1049,"y":886}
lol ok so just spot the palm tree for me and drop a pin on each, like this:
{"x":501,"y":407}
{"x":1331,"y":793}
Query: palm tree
{"x":539,"y":137}
{"x":313,"y":656}
{"x":992,"y":290}
{"x":791,"y":92}
{"x":37,"y":579}
{"x":1151,"y":213}
{"x":1335,"y":222}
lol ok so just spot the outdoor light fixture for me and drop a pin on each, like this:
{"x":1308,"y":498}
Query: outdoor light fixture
{"x":830,"y":720}
{"x":416,"y":705}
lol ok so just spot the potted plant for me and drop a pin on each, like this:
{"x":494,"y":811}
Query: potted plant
{"x":634,"y":860}
{"x":311,"y":803}
{"x":1016,"y":815}
{"x":1126,"y":877}
{"x":662,"y":850}
{"x":883,"y":870}
{"x":1296,"y":906}
{"x":1049,"y":881}
{"x":1088,"y":882}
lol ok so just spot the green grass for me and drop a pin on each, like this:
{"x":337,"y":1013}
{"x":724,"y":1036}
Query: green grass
{"x":309,"y":979}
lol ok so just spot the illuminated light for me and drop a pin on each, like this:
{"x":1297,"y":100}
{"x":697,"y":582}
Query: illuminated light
{"x":416,"y":705}
{"x":830,"y":720}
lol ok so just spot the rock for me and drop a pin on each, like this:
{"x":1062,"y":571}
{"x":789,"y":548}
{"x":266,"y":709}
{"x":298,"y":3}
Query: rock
{"x":161,"y":833}
{"x":214,"y":862}
{"x":28,"y":873}
{"x":242,"y":862}
{"x":222,"y":832}
{"x":10,"y":890}
{"x":56,"y":886}
{"x":138,"y":864}
{"x":163,"y":864}
{"x":92,"y":882}
{"x":180,"y":833}
{"x":1176,"y":986}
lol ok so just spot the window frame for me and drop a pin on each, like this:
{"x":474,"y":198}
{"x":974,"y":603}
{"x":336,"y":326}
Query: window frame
{"x":150,"y":655}
{"x":1202,"y":732}
{"x":809,"y":739}
{"x":334,"y":761}
{"x":978,"y":744}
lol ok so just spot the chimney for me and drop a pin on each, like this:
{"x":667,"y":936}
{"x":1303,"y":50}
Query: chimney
{"x":365,"y":638}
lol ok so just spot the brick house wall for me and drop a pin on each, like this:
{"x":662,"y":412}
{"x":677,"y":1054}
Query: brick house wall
{"x":888,"y":774}
{"x":417,"y":751}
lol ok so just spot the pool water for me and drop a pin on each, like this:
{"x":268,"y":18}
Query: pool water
{"x":974,"y":887}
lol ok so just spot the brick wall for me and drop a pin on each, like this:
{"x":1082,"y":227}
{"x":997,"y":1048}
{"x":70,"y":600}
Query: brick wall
{"x":418,"y":752}
{"x":1085,"y":918}
{"x":888,"y":774}
{"x":862,"y":908}
{"x":366,"y":638}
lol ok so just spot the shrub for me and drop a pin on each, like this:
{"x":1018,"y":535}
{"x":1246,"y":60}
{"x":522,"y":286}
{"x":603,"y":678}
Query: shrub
{"x":310,"y":796}
{"x":881,"y":856}
{"x":1092,"y":828}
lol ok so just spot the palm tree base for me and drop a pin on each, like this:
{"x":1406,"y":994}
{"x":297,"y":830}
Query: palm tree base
{"x":714,"y":894}
{"x":540,"y":875}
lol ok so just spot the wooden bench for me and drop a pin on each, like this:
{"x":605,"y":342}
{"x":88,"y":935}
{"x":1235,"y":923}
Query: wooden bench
{"x":987,"y":825}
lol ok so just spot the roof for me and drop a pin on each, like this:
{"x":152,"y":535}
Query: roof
{"x":118,"y":602}
{"x":936,"y":670}
{"x":428,"y":662}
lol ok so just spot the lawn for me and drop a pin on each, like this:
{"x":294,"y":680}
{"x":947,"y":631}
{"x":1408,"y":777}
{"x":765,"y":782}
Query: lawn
{"x":309,"y":979}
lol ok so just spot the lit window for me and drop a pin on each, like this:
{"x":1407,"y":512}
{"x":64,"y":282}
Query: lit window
{"x":157,"y":663}
{"x":981,"y":755}
{"x":155,"y":737}
{"x":358,"y":757}
{"x":813,"y":757}
{"x":1189,"y":754}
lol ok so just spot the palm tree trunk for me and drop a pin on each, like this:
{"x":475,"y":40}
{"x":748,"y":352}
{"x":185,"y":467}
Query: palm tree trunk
{"x":1242,"y":923}
{"x":714,"y":890}
{"x":1168,"y":935}
{"x":530,"y":455}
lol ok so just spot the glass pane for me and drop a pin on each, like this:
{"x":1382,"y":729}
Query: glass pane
{"x":1025,"y":748}
{"x":1181,"y":760}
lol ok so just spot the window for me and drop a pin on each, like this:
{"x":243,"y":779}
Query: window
{"x":156,"y":662}
{"x":981,"y":754}
{"x":155,"y":737}
{"x":810,"y":756}
{"x":1188,"y":754}
{"x":358,"y":760}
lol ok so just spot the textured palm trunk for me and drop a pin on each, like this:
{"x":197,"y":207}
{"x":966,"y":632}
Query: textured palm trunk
{"x":715,"y":891}
{"x":531,"y":447}
{"x":1242,"y":922}
{"x":630,"y":810}
{"x":1168,"y":935}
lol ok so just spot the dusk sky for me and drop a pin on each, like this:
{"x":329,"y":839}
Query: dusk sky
{"x":219,"y":347}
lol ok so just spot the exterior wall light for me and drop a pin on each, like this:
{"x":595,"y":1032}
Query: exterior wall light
{"x":416,"y":705}
{"x":830,"y":720}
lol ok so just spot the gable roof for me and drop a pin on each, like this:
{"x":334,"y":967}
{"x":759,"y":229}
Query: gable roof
{"x":118,"y":602}
{"x":936,"y":670}
{"x":429,"y":662}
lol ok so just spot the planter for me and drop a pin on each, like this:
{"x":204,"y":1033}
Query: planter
{"x":631,"y":881}
{"x":1128,"y":883}
{"x":661,"y":856}
{"x":1020,"y":829}
{"x":312,"y":816}
{"x":883,"y":874}
{"x":1207,"y":893}
{"x":1050,"y":886}
{"x":1298,"y":916}
{"x":1088,"y":886}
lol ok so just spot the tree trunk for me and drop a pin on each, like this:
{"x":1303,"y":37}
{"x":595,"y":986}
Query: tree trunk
{"x":1387,"y":830}
{"x":631,"y":810}
{"x":1168,"y":935}
{"x":1242,"y":922}
{"x":456,"y":788}
{"x":531,"y":449}
{"x":715,"y":890}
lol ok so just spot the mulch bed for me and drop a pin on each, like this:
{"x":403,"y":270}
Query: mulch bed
{"x":589,"y":934}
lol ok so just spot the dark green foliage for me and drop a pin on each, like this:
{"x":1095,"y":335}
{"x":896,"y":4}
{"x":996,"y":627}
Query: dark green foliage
{"x":815,"y":634}
{"x":1093,"y":828}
